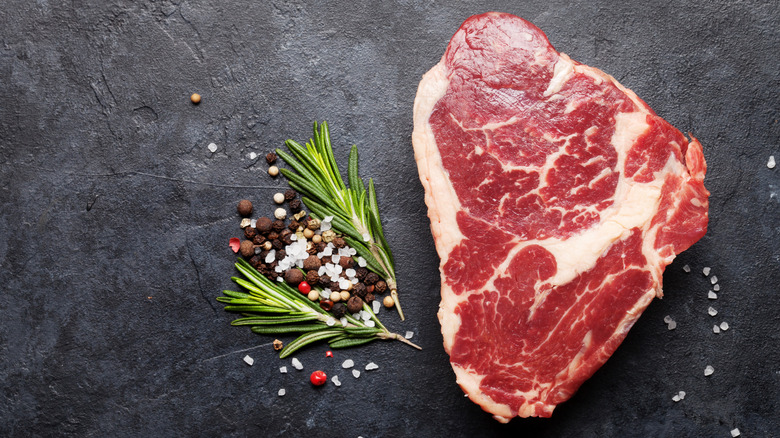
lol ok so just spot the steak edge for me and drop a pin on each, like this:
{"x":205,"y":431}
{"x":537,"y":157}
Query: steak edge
{"x":556,"y":198}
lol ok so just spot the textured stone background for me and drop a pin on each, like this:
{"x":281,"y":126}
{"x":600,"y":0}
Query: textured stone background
{"x":115,"y":216}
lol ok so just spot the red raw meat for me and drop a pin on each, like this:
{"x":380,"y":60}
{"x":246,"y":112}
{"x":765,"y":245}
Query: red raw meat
{"x":556,"y":197}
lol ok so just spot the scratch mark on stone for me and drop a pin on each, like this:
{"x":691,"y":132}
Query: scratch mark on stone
{"x":92,"y":202}
{"x":197,"y":272}
{"x":237,"y":351}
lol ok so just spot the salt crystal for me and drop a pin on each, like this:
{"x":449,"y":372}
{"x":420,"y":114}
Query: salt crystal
{"x":325,"y":226}
{"x":715,"y":329}
{"x":724,"y":326}
{"x":321,"y":270}
{"x":709,"y":370}
{"x":253,"y":223}
{"x":366,"y":237}
{"x":370,"y":324}
{"x":706,"y":271}
{"x":372,"y":366}
{"x":271,"y":256}
{"x":354,"y":280}
{"x":365,"y":315}
{"x":335,"y":258}
{"x":712,"y":295}
{"x":667,"y":319}
{"x":281,"y":392}
{"x":325,"y":295}
{"x":212,"y":147}
{"x":327,"y":251}
{"x":687,"y":268}
{"x":327,"y":219}
{"x":279,"y":279}
{"x":712,"y":311}
{"x":283,"y":370}
{"x":770,"y":164}
{"x":716,"y":287}
{"x":681,"y":394}
{"x":409,"y":335}
{"x":349,"y":363}
{"x":336,"y":380}
{"x":735,"y":431}
{"x":676,"y":398}
{"x":672,"y":325}
{"x":352,"y":251}
{"x":293,"y":237}
{"x":362,"y":262}
{"x":279,"y":269}
{"x":252,"y":155}
{"x":331,"y":321}
{"x":249,"y":361}
{"x":343,"y":283}
{"x":258,"y":250}
{"x":343,"y":321}
{"x":350,"y":272}
{"x":714,"y":279}
{"x":297,"y":364}
{"x":343,"y":252}
{"x":356,"y":373}
{"x":376,"y":305}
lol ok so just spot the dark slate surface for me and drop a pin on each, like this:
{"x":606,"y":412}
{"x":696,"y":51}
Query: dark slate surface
{"x":115,"y":216}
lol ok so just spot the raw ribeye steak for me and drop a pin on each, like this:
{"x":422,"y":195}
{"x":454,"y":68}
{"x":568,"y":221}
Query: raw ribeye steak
{"x":556,"y":197}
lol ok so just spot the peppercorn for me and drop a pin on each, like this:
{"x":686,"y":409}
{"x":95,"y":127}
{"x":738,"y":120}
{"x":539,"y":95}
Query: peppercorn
{"x":313,"y":295}
{"x":339,"y":310}
{"x":247,"y":248}
{"x":270,"y":158}
{"x":326,"y":259}
{"x":278,"y":225}
{"x":195,"y":98}
{"x":381,"y":287}
{"x":325,"y":281}
{"x":369,"y":298}
{"x":344,"y":295}
{"x":359,"y":290}
{"x":355,"y":305}
{"x":312,"y":277}
{"x":307,"y":233}
{"x":277,"y":244}
{"x":361,"y":273}
{"x":293,"y":225}
{"x":313,"y":224}
{"x":289,"y":195}
{"x":305,"y":288}
{"x":280,"y":255}
{"x":293,"y":276}
{"x":333,"y":285}
{"x":244,"y":207}
{"x":267,"y":245}
{"x":328,"y":236}
{"x":312,"y":263}
{"x":273,"y":235}
{"x":255,"y":261}
{"x":371,"y":278}
{"x":335,"y":296}
{"x":321,"y":246}
{"x":346,"y":262}
{"x":250,"y":233}
{"x":316,"y":238}
{"x":388,"y":302}
{"x":339,"y":242}
{"x":370,"y":288}
{"x":318,"y":378}
{"x":285,"y":236}
{"x":303,"y":220}
{"x":278,"y":198}
{"x":273,"y":171}
{"x":263,"y":225}
{"x":311,"y":249}
{"x":295,"y":205}
{"x":326,"y":305}
{"x":278,"y":345}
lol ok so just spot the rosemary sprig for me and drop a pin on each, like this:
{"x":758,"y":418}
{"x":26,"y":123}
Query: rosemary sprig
{"x":355,"y":212}
{"x":271,"y":308}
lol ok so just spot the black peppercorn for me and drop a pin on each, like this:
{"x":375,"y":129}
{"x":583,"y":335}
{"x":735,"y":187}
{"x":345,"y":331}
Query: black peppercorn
{"x":312,"y":277}
{"x":312,"y":263}
{"x":381,"y":287}
{"x":278,"y":225}
{"x":295,"y":205}
{"x":289,"y":195}
{"x":293,"y":225}
{"x":339,"y":242}
{"x":359,"y":290}
{"x":280,"y":255}
{"x":333,"y":285}
{"x":346,"y":262}
{"x":258,"y":239}
{"x":321,"y":247}
{"x":371,"y":278}
{"x":293,"y":276}
{"x":277,"y":244}
{"x":355,"y":305}
{"x":256,"y":261}
{"x":339,"y":310}
{"x":263,"y":225}
{"x":325,"y":282}
{"x":326,"y":259}
{"x":361,"y":273}
{"x":244,"y":207}
{"x":369,"y":298}
{"x":250,"y":233}
{"x":285,"y":236}
{"x":273,"y":235}
{"x":270,"y":158}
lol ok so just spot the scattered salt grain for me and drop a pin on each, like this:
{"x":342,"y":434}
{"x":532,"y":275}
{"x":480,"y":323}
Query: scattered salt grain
{"x":716,"y":287}
{"x":297,"y":364}
{"x":724,"y":326}
{"x":283,"y":370}
{"x":252,"y":155}
{"x":249,"y":361}
{"x":293,"y":237}
{"x":325,"y":294}
{"x":212,"y":147}
{"x":372,"y":366}
{"x":279,"y":279}
{"x":356,"y":373}
{"x":706,"y":271}
{"x":712,"y":311}
{"x":370,"y":324}
{"x":681,"y":394}
{"x":349,"y":363}
{"x":336,"y":380}
{"x":770,"y":164}
{"x":281,"y":392}
{"x":735,"y":431}
{"x":253,"y":223}
{"x":715,"y":329}
{"x":350,"y":272}
{"x":713,"y":279}
{"x":366,"y":237}
{"x":343,"y":322}
{"x":271,"y":256}
{"x":362,"y":262}
{"x":354,"y":280}
{"x":336,"y":258}
{"x":365,"y":316}
{"x":667,"y":319}
{"x":712,"y":295}
{"x":409,"y":335}
{"x":709,"y":370}
{"x":343,"y":283}
{"x":675,"y":398}
{"x":331,"y":321}
{"x":687,"y":268}
{"x":376,"y":305}
{"x":352,"y":251}
{"x":672,"y":325}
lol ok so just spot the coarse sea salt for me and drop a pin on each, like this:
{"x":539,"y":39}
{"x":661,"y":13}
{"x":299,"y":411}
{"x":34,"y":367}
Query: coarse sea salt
{"x":330,"y":321}
{"x":365,"y":316}
{"x":712,"y":311}
{"x":283,"y":370}
{"x":706,"y":271}
{"x":716,"y":287}
{"x":372,"y":366}
{"x":212,"y":147}
{"x":672,"y":325}
{"x":253,"y":223}
{"x":252,"y":155}
{"x":336,"y":380}
{"x":713,"y":279}
{"x":687,"y":268}
{"x":362,"y":262}
{"x":356,"y":373}
{"x":297,"y":364}
{"x":712,"y":295}
{"x":281,"y":392}
{"x":675,"y":398}
{"x":667,"y":319}
{"x":681,"y":394}
{"x":409,"y":335}
{"x":724,"y":326}
{"x":735,"y":431}
{"x":349,"y":363}
{"x":350,"y":272}
{"x":709,"y":370}
{"x":370,"y":324}
{"x":771,"y":162}
{"x":715,"y":329}
{"x":271,"y":256}
{"x":376,"y":305}
{"x":249,"y":361}
{"x":343,"y":322}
